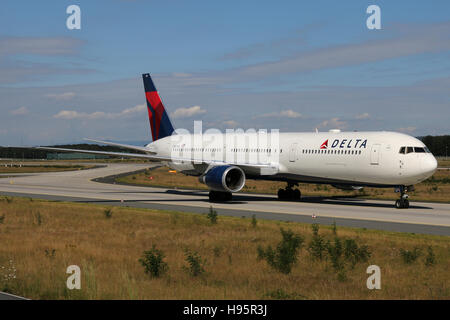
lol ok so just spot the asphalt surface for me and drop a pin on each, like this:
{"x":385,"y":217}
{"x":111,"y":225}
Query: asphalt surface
{"x":7,"y":296}
{"x":77,"y":186}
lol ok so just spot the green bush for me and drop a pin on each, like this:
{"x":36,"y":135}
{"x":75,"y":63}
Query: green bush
{"x":108,"y":213}
{"x":254,"y":222}
{"x":217,"y":250}
{"x":410,"y":256}
{"x":153,"y":262}
{"x":334,"y":228}
{"x":50,"y":253}
{"x":195,"y":263}
{"x":315,"y":229}
{"x":335,"y":252}
{"x":355,"y":254}
{"x":317,"y":246}
{"x":212,"y":215}
{"x":38,"y":218}
{"x":430,"y":259}
{"x":285,"y":255}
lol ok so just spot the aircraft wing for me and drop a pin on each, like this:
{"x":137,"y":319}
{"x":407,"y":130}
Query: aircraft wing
{"x":244,"y":166}
{"x":127,"y":146}
{"x":107,"y":153}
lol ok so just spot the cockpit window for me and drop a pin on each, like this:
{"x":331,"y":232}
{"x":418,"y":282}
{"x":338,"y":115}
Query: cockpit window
{"x":405,"y":150}
{"x":419,"y":150}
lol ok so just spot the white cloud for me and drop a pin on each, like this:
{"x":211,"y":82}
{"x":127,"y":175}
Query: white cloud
{"x":136,"y":109}
{"x":19,"y":112}
{"x":362,"y":116}
{"x":61,"y":96}
{"x":290,"y":114}
{"x":407,"y":129}
{"x":40,"y":45}
{"x":282,"y":114}
{"x":71,"y":114}
{"x":187,"y":112}
{"x":334,"y":123}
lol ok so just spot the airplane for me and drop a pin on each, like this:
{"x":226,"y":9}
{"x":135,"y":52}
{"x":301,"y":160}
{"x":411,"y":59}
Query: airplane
{"x":345,"y":160}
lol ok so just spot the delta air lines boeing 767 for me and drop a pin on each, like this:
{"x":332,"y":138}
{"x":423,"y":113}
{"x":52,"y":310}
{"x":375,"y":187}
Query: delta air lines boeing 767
{"x":223,"y":161}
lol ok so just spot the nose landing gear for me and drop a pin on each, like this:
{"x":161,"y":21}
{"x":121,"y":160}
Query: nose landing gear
{"x":403,"y":202}
{"x":288,"y":193}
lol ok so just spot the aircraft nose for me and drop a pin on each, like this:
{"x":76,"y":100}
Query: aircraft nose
{"x":428,"y":165}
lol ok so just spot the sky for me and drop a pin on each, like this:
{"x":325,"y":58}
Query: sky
{"x":287,"y":65}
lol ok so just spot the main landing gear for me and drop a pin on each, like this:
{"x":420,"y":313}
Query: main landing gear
{"x":288,"y":193}
{"x":403,"y":202}
{"x":218,"y":196}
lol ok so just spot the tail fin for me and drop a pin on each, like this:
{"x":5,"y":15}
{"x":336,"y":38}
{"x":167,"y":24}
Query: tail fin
{"x":159,"y":119}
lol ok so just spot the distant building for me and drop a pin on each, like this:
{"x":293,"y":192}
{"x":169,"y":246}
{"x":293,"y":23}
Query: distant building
{"x":74,"y":156}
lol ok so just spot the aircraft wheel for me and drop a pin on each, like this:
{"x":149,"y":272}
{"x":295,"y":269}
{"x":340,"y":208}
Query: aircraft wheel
{"x":297,"y":194}
{"x":402,"y":204}
{"x":406,"y":203}
{"x":282,"y":194}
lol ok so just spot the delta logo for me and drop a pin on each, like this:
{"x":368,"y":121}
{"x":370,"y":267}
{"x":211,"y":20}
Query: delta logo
{"x":345,"y":143}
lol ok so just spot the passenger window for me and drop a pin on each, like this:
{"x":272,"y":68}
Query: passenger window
{"x":409,"y":150}
{"x":402,"y":150}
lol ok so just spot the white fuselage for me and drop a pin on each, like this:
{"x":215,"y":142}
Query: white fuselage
{"x":340,"y":158}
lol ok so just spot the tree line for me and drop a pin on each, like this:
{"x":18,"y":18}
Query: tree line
{"x":28,"y":153}
{"x":438,"y":145}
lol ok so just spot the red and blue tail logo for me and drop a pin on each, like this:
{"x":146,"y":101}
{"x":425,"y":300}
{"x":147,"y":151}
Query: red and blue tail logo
{"x":159,"y":119}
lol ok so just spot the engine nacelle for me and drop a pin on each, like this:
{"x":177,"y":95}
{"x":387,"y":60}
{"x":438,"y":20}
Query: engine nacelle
{"x":346,"y":187}
{"x":224,"y":178}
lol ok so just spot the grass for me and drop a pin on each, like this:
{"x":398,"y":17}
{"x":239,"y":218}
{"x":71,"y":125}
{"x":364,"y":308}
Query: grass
{"x":436,"y":188}
{"x":27,"y":168}
{"x":36,"y":254}
{"x":444,"y":163}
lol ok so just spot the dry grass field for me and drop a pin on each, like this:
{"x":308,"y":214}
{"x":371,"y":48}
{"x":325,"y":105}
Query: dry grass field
{"x":33,"y":168}
{"x":40,"y":239}
{"x":436,"y":188}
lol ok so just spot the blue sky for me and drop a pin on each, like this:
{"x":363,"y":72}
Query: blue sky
{"x":291,"y":65}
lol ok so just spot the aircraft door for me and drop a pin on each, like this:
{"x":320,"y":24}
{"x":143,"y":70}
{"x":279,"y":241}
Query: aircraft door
{"x":375,"y":154}
{"x":293,"y":152}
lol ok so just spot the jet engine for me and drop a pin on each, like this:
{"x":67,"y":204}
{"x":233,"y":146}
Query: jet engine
{"x":224,"y":178}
